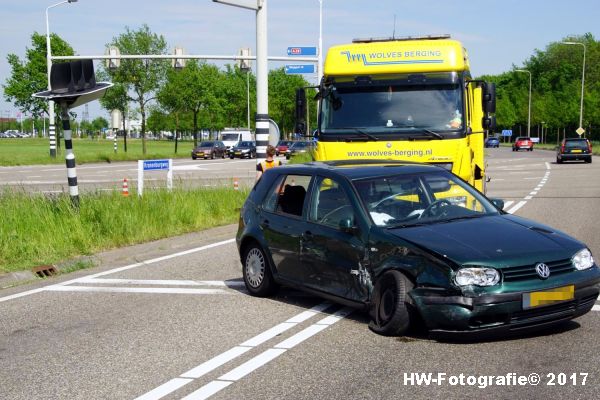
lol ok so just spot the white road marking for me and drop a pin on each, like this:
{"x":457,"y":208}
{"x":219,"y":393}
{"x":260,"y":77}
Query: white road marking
{"x":508,"y":203}
{"x":548,"y":165}
{"x":207,"y":390}
{"x":596,"y":308}
{"x":165,"y":389}
{"x":233,"y":353}
{"x":516,"y":207}
{"x":268,"y":355}
{"x":119,"y":269}
{"x":163,"y":282}
{"x":215,"y":362}
{"x":528,"y":197}
{"x":108,"y":289}
{"x":269,"y":334}
{"x":251,"y":365}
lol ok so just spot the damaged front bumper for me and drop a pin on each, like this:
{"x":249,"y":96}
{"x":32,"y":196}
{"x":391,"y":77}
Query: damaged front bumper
{"x":478,"y":314}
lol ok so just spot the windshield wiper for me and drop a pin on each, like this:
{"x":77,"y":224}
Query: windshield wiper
{"x":358,"y":130}
{"x":432,"y":133}
{"x":464,"y":217}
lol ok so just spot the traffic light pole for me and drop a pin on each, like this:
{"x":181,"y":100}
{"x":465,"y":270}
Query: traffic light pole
{"x":69,"y":155}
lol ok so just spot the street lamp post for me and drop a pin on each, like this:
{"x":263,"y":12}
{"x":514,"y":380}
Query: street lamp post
{"x":320,"y":62}
{"x":529,"y":107}
{"x":51,"y":128}
{"x":582,"y":84}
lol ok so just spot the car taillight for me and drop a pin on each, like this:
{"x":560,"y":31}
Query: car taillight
{"x":590,"y":147}
{"x":562,"y":148}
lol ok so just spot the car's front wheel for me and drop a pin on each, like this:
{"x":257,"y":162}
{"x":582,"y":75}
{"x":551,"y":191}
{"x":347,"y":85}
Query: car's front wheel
{"x":257,"y":273}
{"x":390,"y":313}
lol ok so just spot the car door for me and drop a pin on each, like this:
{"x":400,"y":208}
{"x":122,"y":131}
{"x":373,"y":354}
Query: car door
{"x":331,"y":249}
{"x":283,"y":222}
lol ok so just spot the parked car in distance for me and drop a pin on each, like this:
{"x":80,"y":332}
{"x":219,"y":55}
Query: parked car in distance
{"x":410,"y":242}
{"x":298,"y":147}
{"x":572,"y":149}
{"x":245,"y":149}
{"x":209,"y":149}
{"x":492,"y":142}
{"x":282,"y":147}
{"x":523,"y":143}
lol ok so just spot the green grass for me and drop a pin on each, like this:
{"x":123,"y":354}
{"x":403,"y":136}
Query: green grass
{"x":30,"y":151}
{"x":37,"y":230}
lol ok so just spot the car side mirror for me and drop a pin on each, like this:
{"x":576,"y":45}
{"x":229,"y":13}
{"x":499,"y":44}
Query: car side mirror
{"x":347,"y":226}
{"x":499,"y":203}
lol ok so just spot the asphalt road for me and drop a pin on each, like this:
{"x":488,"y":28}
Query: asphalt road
{"x":109,"y":176}
{"x":171,"y":320}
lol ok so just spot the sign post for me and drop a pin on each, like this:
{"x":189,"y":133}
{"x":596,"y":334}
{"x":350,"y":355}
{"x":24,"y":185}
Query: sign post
{"x":154,"y":165}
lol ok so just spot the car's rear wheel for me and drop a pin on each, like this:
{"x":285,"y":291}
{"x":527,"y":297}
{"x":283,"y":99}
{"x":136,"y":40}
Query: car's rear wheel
{"x":558,"y":160}
{"x":257,"y":273}
{"x":390,"y":314}
{"x":588,"y":160}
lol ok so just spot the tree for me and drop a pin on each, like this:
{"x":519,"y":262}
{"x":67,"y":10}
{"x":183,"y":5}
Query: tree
{"x":116,"y":98}
{"x":282,"y":97}
{"x":193,"y":88}
{"x":30,"y":75}
{"x":141,"y":78}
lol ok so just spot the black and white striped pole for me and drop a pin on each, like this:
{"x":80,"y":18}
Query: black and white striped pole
{"x":69,"y":155}
{"x":72,"y":84}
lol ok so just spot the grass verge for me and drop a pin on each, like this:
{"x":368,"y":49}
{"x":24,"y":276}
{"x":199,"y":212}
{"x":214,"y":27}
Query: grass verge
{"x":37,"y":230}
{"x":32,"y":151}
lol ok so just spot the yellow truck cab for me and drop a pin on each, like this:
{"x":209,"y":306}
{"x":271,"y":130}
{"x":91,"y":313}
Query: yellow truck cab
{"x":405,"y":99}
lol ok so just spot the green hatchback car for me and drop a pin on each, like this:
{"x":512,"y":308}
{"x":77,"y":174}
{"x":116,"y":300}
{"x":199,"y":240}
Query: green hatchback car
{"x":410,"y":242}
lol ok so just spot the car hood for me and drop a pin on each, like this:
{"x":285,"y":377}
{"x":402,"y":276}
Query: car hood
{"x":496,"y":241}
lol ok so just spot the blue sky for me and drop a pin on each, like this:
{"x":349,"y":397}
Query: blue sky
{"x":497,"y":34}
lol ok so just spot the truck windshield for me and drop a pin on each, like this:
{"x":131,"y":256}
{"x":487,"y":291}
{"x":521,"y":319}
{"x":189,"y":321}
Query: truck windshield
{"x":400,"y":108}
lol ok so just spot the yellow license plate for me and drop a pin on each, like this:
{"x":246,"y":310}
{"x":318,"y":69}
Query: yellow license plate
{"x":547,"y":297}
{"x":237,"y":153}
{"x":575,"y":151}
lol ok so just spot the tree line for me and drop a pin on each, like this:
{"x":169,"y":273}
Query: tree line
{"x":556,"y":74}
{"x":199,"y":96}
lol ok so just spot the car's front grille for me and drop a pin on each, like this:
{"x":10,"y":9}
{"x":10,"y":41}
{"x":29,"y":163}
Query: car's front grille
{"x":524,"y":272}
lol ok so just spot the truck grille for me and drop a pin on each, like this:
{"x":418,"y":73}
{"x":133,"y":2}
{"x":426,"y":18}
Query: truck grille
{"x":524,"y":272}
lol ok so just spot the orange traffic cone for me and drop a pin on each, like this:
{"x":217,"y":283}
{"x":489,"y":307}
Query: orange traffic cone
{"x":125,"y":191}
{"x":236,"y":184}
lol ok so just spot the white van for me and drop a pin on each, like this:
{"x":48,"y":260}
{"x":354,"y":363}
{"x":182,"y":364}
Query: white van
{"x":232,"y":137}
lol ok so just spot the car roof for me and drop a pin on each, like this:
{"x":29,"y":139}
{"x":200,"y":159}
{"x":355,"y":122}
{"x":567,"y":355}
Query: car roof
{"x":574,"y":139}
{"x":361,"y":169}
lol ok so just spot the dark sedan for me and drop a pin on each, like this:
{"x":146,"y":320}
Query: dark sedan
{"x":209,"y":149}
{"x":246,"y":149}
{"x":410,"y":242}
{"x":572,"y":149}
{"x":298,"y":148}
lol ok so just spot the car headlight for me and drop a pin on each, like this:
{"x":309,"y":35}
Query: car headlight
{"x":583,"y":259}
{"x":477,"y":276}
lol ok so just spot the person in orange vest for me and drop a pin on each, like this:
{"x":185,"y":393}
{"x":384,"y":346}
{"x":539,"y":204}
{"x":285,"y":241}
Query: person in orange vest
{"x":268,"y":163}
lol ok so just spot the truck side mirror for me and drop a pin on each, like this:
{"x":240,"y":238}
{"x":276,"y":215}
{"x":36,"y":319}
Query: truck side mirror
{"x":489,"y":97}
{"x":300,"y":125}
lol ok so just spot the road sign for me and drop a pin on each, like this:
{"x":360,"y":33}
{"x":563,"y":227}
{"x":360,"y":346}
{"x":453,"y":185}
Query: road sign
{"x":580,"y":131}
{"x":155,"y":165}
{"x":507,"y":132}
{"x":300,"y":69}
{"x":302,"y":51}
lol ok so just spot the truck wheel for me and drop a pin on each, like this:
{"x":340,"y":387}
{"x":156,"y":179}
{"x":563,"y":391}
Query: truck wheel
{"x":390,"y":314}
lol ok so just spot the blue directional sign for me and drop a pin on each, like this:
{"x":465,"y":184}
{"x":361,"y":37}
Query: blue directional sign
{"x":302,"y":51}
{"x":300,"y":69}
{"x":507,"y":132}
{"x":156,"y":165}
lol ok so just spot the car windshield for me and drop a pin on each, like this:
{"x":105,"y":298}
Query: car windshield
{"x":401,"y":105}
{"x":428,"y":198}
{"x":206,"y":144}
{"x":245,"y":144}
